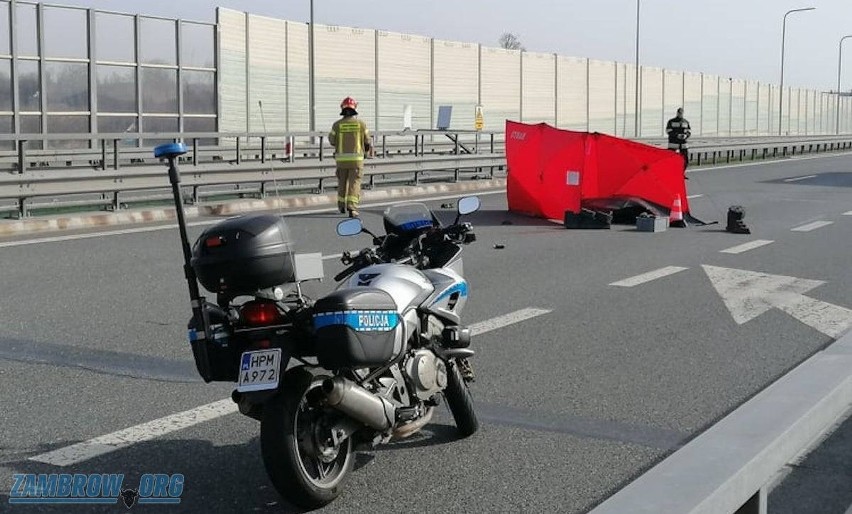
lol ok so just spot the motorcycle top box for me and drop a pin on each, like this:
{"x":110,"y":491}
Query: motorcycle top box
{"x":243,"y":255}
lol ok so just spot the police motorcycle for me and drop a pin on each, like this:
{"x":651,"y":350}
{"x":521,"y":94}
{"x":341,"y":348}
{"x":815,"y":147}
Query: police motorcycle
{"x":363,"y":365}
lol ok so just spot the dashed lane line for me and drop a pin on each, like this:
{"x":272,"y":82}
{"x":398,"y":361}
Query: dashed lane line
{"x":812,"y":226}
{"x":747,"y":246}
{"x":796,"y":179}
{"x":649,"y":276}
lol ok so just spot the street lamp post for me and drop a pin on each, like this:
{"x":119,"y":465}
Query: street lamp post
{"x":311,"y":85}
{"x":839,"y":70}
{"x":636,"y":108}
{"x":783,"y":42}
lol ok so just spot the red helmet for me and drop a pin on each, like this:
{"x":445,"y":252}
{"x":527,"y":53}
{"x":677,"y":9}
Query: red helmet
{"x":349,"y":102}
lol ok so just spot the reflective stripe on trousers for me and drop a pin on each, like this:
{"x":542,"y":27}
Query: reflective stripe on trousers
{"x":349,"y":187}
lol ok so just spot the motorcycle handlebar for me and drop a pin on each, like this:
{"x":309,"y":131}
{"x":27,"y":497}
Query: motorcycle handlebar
{"x":368,"y":256}
{"x":363,"y":259}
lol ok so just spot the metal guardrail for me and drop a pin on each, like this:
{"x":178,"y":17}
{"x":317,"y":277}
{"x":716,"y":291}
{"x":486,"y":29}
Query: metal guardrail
{"x":110,"y":151}
{"x":24,"y":187}
{"x":112,"y":175}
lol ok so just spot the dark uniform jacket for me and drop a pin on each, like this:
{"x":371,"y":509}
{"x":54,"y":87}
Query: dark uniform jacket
{"x":679,"y":131}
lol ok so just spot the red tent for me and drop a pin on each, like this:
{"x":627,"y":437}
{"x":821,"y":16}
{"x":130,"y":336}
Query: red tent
{"x":552,"y":171}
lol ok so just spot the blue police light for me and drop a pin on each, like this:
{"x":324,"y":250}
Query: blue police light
{"x":169,"y":150}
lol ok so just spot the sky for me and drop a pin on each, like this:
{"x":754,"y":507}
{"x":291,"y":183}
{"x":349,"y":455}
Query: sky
{"x":730,"y":38}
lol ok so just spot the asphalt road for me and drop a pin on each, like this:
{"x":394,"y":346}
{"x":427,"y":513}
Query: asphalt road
{"x":574,"y":403}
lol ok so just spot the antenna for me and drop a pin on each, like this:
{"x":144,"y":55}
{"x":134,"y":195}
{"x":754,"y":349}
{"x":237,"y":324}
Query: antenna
{"x":278,"y":196}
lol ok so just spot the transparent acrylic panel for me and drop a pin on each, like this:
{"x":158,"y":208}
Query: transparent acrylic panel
{"x":159,"y":41}
{"x":26,"y":30}
{"x":114,"y":35}
{"x":4,"y":29}
{"x":197,"y":45}
{"x":62,"y":124}
{"x":199,"y":93}
{"x":118,"y":125}
{"x":31,"y":125}
{"x":159,"y":90}
{"x":66,"y":86}
{"x":157,"y":124}
{"x":65,"y":33}
{"x":5,"y":83}
{"x":200,"y":125}
{"x":116,"y":88}
{"x":28,"y":86}
{"x":7,"y":126}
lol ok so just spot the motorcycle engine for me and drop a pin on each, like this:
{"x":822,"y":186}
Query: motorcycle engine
{"x":427,"y":372}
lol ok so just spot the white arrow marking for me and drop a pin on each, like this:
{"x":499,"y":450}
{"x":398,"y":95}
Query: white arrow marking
{"x":748,"y":294}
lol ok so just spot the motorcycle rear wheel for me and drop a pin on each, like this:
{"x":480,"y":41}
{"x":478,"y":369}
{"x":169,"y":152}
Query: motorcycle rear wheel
{"x":290,"y":447}
{"x":460,"y":401}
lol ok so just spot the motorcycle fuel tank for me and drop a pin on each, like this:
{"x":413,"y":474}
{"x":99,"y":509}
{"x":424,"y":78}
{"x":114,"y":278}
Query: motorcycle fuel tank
{"x":408,"y":286}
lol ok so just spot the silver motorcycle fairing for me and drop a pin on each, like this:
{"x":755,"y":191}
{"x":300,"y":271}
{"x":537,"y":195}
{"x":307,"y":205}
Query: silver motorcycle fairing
{"x":408,"y":287}
{"x":450,"y":295}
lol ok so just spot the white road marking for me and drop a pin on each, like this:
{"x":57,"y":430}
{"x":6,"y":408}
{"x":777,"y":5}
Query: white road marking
{"x":747,"y":246}
{"x":847,"y":213}
{"x":108,"y":443}
{"x":796,"y":179}
{"x":690,"y":197}
{"x":137,"y":230}
{"x":506,"y":320}
{"x":129,"y":436}
{"x":75,"y":237}
{"x":812,"y":226}
{"x":647,"y":277}
{"x":748,"y":294}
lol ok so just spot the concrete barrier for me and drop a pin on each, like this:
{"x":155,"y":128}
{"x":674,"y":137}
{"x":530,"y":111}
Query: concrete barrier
{"x":729,"y":468}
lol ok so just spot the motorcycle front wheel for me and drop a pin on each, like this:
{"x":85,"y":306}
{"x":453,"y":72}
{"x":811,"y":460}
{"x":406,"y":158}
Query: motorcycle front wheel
{"x":301,"y":461}
{"x":460,"y":401}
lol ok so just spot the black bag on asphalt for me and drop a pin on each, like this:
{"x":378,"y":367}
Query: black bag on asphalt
{"x":588,"y":219}
{"x":736,"y":225}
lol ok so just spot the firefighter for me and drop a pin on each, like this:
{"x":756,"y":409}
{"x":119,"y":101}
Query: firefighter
{"x":678,"y":130}
{"x":351,"y":141}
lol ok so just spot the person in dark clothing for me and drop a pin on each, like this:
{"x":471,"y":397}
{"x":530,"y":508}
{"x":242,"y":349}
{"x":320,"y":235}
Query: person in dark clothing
{"x":678,"y":130}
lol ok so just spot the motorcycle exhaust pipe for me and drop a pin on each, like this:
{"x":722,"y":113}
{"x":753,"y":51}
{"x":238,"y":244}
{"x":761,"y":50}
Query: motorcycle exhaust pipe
{"x":358,"y":403}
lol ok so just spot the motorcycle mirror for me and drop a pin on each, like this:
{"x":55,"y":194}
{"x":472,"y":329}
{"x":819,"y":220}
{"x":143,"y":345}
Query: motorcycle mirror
{"x":468,"y":205}
{"x":350,"y":227}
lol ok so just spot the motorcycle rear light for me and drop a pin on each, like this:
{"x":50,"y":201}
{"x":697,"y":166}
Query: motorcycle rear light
{"x":213,"y":242}
{"x":260,"y":314}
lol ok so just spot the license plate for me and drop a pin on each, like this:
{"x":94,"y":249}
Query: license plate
{"x":259,"y":370}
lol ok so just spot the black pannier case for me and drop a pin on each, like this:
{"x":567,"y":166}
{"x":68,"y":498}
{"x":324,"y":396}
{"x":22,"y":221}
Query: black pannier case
{"x":357,"y":328}
{"x":242,"y":255}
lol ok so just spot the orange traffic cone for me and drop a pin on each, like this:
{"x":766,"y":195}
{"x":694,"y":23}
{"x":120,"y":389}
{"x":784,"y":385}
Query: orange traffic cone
{"x":676,"y":215}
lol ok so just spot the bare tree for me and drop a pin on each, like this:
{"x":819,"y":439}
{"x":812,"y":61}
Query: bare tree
{"x":511,"y":41}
